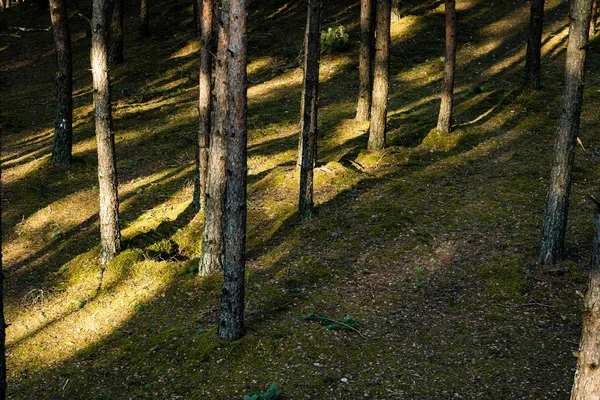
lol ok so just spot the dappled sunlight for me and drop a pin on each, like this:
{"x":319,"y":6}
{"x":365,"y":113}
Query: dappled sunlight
{"x":190,"y":49}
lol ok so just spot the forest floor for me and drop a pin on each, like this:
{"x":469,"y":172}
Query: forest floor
{"x":429,"y":245}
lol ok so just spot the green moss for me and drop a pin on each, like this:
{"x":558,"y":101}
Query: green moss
{"x":506,"y":280}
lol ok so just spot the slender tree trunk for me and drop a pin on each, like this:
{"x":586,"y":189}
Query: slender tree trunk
{"x":204,"y":102}
{"x":594,"y":18}
{"x":377,"y":128}
{"x":63,"y":124}
{"x":212,"y":237}
{"x":309,"y":109}
{"x":365,"y":57}
{"x":88,"y":30}
{"x":110,"y":235}
{"x":534,"y":45}
{"x":2,"y":320}
{"x":144,"y":18}
{"x":116,"y":55}
{"x":231,"y":318}
{"x":557,"y":200}
{"x":445,"y":118}
{"x":587,"y":378}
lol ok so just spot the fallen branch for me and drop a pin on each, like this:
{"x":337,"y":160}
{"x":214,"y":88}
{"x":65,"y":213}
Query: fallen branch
{"x":10,"y":34}
{"x":535,"y":303}
{"x":22,"y":29}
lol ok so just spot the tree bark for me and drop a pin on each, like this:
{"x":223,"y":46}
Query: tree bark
{"x":309,"y":109}
{"x":377,"y":128}
{"x":231,"y":318}
{"x":63,"y":124}
{"x":2,"y":320}
{"x":144,"y":18}
{"x":204,"y":102}
{"x":116,"y":55}
{"x":557,"y":200}
{"x":363,"y":108}
{"x":534,"y":45}
{"x":110,"y":236}
{"x":212,"y":237}
{"x":445,"y":118}
{"x":587,"y":378}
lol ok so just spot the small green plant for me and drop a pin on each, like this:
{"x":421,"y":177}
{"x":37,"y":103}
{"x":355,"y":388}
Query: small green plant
{"x":334,"y":40}
{"x":347,"y":323}
{"x":271,"y":394}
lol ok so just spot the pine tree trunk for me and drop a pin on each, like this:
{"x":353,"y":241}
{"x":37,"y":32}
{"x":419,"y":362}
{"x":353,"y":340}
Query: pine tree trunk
{"x":2,"y":320}
{"x":365,"y":57}
{"x":144,"y":18}
{"x":445,"y":118}
{"x":116,"y":55}
{"x":587,"y":378}
{"x":231,"y":318}
{"x":557,"y":200}
{"x":377,"y":128}
{"x":212,"y":237}
{"x":204,"y":102}
{"x":309,"y":109}
{"x":110,"y":235}
{"x":63,"y":125}
{"x":534,"y":45}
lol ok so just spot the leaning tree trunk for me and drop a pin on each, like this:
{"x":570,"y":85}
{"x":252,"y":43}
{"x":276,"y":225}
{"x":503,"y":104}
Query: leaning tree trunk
{"x":534,"y":45}
{"x":2,"y":320}
{"x":63,"y":124}
{"x":557,"y":200}
{"x":377,"y":128}
{"x":309,"y":109}
{"x":587,"y":378}
{"x":365,"y":57}
{"x":116,"y":55}
{"x":445,"y":118}
{"x":212,"y":237}
{"x":231,"y":317}
{"x":144,"y":18}
{"x":110,"y":236}
{"x":204,"y":100}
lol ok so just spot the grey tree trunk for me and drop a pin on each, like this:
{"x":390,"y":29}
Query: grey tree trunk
{"x":110,"y":236}
{"x":377,"y":128}
{"x":534,"y":45}
{"x":212,"y":237}
{"x":363,"y":108}
{"x":144,"y":18}
{"x":204,"y":102}
{"x":231,"y":317}
{"x":557,"y":200}
{"x":309,"y":109}
{"x":445,"y":117}
{"x":116,"y":55}
{"x":63,"y":125}
{"x":587,"y":378}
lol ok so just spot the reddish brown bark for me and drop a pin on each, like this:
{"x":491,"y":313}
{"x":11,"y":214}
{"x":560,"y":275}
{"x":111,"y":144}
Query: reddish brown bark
{"x":445,"y":117}
{"x":363,"y":108}
{"x":377,"y":128}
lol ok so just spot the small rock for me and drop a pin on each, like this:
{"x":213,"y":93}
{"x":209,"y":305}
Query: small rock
{"x":344,"y":380}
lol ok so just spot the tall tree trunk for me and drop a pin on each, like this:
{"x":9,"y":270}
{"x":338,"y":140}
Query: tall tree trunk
{"x":377,"y":128}
{"x":594,"y":18}
{"x":204,"y":100}
{"x":309,"y":109}
{"x":445,"y":118}
{"x":557,"y":200}
{"x":144,"y":18}
{"x":587,"y":378}
{"x":231,"y":318}
{"x":63,"y":125}
{"x":212,"y":237}
{"x":2,"y":320}
{"x":116,"y":55}
{"x":365,"y":57}
{"x":534,"y":45}
{"x":110,"y":235}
